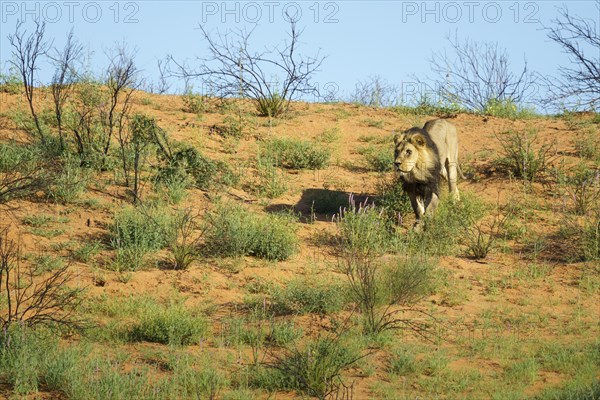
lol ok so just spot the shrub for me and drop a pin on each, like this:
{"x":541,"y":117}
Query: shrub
{"x":316,"y":369}
{"x":270,"y":182}
{"x":329,"y":135}
{"x":173,"y":324}
{"x":296,"y":154}
{"x":301,"y":296}
{"x":392,"y":198}
{"x":271,"y":105}
{"x":507,"y":108}
{"x":138,"y":231}
{"x":237,"y":125}
{"x":590,"y":238}
{"x":588,"y":145}
{"x":275,"y":237}
{"x":191,"y":383}
{"x":233,"y":231}
{"x":21,"y":178}
{"x":480,"y":236}
{"x":174,"y":184}
{"x":13,"y":156}
{"x":257,"y":330}
{"x":380,"y":159}
{"x":426,"y":107}
{"x":363,"y":230}
{"x":582,"y":188}
{"x":440,"y":234}
{"x":376,"y":287}
{"x":31,"y":302}
{"x":86,"y":251}
{"x":11,"y":83}
{"x":522,"y":156}
{"x":583,"y":236}
{"x":69,"y":182}
{"x":185,"y":242}
{"x":194,"y":103}
{"x":39,"y":220}
{"x":205,"y":172}
{"x":21,"y":354}
{"x":402,"y":362}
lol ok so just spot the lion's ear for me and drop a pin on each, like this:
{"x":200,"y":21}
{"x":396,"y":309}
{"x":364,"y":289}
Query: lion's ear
{"x":398,"y":137}
{"x":418,"y":140}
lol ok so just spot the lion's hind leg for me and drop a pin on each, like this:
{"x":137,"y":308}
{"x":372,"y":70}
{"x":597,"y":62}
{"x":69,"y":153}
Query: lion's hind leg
{"x":452,"y":179}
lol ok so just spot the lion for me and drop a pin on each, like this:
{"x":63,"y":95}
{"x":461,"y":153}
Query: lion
{"x":422,"y":156}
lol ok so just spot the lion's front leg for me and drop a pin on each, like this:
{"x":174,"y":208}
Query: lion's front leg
{"x":431,"y":203}
{"x":418,"y":206}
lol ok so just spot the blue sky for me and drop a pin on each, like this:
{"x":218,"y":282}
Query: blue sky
{"x":392,"y":39}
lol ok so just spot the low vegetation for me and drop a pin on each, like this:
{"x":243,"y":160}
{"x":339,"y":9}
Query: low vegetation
{"x":231,"y":249}
{"x":522,"y":156}
{"x":296,"y":154}
{"x":234,"y":231}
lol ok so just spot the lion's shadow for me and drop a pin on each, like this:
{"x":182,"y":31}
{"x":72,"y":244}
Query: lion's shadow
{"x":320,"y":204}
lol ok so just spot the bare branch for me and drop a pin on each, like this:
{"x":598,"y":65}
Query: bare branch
{"x":478,"y":73}
{"x":31,"y":300}
{"x":26,"y":52}
{"x":272,"y":77}
{"x":64,"y":77}
{"x":578,"y":85}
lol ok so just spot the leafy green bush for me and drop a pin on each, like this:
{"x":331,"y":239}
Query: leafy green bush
{"x":440,"y":234}
{"x":173,"y":324}
{"x":507,"y":108}
{"x":11,"y":83}
{"x":13,"y":156}
{"x":233,"y":231}
{"x":173,"y":184}
{"x":271,"y":105}
{"x":205,"y":172}
{"x":302,"y":296}
{"x":69,"y":182}
{"x":427,"y":107}
{"x":363,"y":230}
{"x":329,"y":135}
{"x":392,"y":198}
{"x":87,"y":251}
{"x":296,"y":154}
{"x":380,"y":159}
{"x":194,"y":103}
{"x":138,"y":231}
{"x":402,"y":362}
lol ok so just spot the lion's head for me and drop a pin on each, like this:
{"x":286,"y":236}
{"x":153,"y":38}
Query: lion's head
{"x":415,"y":156}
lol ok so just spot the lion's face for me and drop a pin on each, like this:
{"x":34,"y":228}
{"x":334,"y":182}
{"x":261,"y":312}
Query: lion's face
{"x":407,"y":151}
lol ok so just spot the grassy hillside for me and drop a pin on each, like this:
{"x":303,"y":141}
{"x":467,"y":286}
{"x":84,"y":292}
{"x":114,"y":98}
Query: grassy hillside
{"x":229,"y":274}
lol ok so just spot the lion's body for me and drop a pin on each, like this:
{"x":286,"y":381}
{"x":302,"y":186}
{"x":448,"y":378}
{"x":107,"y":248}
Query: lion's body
{"x":422,"y":157}
{"x":445,"y":137}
